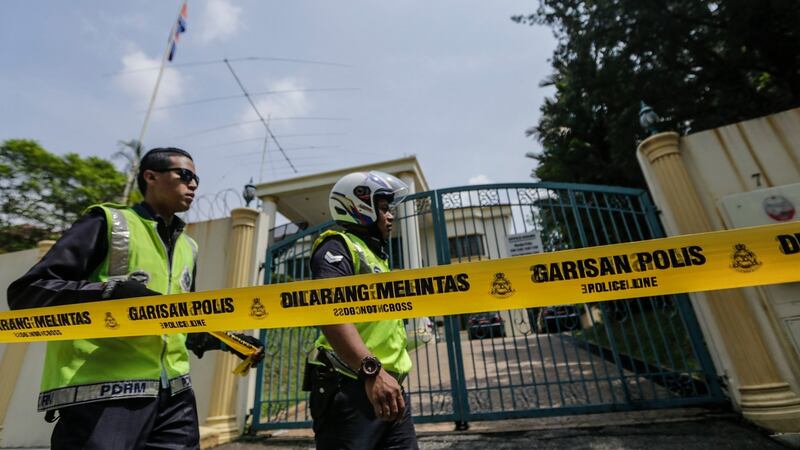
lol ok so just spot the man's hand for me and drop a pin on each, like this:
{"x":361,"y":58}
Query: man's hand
{"x":199,"y":343}
{"x":386,"y":396}
{"x":383,"y":391}
{"x":126,"y":289}
{"x":255,"y":342}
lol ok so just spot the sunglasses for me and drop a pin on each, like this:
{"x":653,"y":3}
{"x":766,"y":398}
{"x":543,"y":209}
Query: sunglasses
{"x":185,"y":175}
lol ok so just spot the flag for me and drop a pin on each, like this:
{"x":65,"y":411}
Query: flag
{"x":180,"y":27}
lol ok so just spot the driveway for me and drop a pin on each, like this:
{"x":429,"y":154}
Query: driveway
{"x":692,"y":429}
{"x":523,"y":372}
{"x":516,"y":373}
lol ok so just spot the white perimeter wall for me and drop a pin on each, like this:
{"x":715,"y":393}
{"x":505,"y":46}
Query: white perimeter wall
{"x":24,"y":427}
{"x":748,"y":156}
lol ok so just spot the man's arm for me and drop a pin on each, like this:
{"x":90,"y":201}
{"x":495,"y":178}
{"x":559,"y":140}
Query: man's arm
{"x":332,"y":259}
{"x":61,"y":277}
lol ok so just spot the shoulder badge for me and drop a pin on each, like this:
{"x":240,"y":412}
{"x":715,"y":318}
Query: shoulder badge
{"x":333,"y":259}
{"x":186,"y":279}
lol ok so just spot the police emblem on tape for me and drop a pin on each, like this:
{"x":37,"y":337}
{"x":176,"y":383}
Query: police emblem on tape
{"x":744,"y":260}
{"x":111,"y":322}
{"x":501,"y":287}
{"x":257,"y":310}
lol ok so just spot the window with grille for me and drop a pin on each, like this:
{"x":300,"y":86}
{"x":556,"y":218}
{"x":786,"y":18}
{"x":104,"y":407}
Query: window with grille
{"x":466,"y":246}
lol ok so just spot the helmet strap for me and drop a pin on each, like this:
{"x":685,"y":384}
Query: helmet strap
{"x":364,"y":231}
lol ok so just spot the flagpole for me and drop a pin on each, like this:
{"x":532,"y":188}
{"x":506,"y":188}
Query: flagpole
{"x":135,"y":163}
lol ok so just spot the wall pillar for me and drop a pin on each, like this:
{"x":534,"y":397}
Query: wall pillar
{"x":222,"y":407}
{"x":266,"y":222}
{"x":766,"y":398}
{"x":14,"y":356}
{"x":409,"y":226}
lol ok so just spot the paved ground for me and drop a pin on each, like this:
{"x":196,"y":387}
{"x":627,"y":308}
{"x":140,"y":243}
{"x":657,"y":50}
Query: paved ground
{"x":517,"y":373}
{"x":649,"y":430}
{"x":539,"y":372}
{"x":546,"y":370}
{"x":684,"y":429}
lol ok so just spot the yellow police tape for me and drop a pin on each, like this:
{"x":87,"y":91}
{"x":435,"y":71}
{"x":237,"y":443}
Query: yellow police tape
{"x":700,"y":262}
{"x":245,"y":348}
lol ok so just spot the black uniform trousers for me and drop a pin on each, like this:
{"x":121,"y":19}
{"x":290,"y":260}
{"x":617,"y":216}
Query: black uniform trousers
{"x":344,"y":418}
{"x":167,"y":422}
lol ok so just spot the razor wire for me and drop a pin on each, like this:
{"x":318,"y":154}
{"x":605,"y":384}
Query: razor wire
{"x":213,"y":205}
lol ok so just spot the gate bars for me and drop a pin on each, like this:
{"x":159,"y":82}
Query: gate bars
{"x":639,"y":353}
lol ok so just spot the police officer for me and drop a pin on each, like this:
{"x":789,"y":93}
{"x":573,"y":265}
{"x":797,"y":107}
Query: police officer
{"x":356,"y":399}
{"x":122,"y":393}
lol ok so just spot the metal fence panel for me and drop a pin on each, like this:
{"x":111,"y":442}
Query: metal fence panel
{"x":636,"y":353}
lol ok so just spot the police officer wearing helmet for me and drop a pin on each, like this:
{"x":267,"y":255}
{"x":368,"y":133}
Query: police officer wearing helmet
{"x":122,"y":393}
{"x":357,"y":400}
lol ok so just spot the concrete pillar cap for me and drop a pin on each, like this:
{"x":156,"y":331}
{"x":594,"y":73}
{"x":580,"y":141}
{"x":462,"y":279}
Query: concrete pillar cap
{"x":244,"y":217}
{"x":660,"y":145}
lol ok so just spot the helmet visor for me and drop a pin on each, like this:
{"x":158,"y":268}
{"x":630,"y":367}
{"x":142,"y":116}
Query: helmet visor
{"x":391,"y":187}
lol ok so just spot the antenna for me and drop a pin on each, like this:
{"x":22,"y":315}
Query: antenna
{"x":260,"y":117}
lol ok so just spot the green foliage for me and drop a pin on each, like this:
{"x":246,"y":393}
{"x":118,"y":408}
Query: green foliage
{"x":41,"y":194}
{"x":700,"y":64}
{"x":131,"y":152}
{"x":652,"y":336}
{"x":284,"y":366}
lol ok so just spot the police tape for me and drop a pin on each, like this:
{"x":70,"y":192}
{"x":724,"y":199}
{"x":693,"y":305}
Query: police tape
{"x":691,"y":263}
{"x":249,"y":351}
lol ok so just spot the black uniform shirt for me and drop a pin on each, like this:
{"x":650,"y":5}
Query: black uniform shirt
{"x":61,"y":277}
{"x":332,"y":258}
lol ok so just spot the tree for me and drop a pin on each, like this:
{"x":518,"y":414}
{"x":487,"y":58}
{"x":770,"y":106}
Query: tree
{"x":41,"y":194}
{"x":131,"y":152}
{"x":700,"y":64}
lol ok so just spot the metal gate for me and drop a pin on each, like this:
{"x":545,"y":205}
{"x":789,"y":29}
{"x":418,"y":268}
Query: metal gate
{"x":640,"y":353}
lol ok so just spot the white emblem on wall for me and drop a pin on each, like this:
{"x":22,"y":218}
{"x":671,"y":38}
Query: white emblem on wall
{"x":778,"y":208}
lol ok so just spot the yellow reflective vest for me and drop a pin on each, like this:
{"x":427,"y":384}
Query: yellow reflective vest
{"x":386,"y":339}
{"x":90,"y":370}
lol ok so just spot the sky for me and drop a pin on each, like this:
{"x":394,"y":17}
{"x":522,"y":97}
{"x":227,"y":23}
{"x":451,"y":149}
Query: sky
{"x":455,"y":83}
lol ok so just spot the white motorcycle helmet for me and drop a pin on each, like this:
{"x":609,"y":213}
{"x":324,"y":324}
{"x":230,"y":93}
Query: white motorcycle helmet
{"x":352,"y":199}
